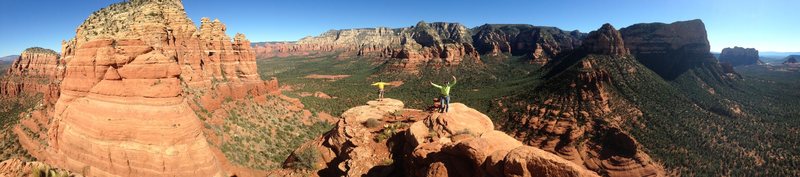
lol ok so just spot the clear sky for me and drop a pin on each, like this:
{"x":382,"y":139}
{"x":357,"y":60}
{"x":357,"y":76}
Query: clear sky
{"x":767,"y":25}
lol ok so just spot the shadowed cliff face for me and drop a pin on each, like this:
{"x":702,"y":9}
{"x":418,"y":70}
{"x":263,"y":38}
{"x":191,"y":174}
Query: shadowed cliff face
{"x":670,"y":49}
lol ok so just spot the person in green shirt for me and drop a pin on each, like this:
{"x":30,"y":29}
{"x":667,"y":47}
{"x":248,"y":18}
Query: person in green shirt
{"x":380,"y":86}
{"x":445,"y":97}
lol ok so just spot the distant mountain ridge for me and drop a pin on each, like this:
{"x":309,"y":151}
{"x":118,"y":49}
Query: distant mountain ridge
{"x":9,"y":58}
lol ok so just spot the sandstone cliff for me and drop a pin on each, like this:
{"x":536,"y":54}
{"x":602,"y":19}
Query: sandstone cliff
{"x":36,"y":71}
{"x":129,"y":76}
{"x":385,"y":139}
{"x":536,"y":43}
{"x":738,"y":56}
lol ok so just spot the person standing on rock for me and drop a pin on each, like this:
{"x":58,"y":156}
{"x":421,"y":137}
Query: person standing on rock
{"x":380,"y":86}
{"x":445,"y":98}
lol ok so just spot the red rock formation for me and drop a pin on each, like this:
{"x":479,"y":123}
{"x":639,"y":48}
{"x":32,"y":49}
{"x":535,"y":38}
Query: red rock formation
{"x":606,"y":41}
{"x":37,"y":70}
{"x":130,"y":73}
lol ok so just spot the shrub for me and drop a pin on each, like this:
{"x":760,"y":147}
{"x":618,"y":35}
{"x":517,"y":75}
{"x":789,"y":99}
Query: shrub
{"x":306,"y":159}
{"x":372,"y":123}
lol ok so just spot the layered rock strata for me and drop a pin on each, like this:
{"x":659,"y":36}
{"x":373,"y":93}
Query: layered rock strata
{"x":36,"y":71}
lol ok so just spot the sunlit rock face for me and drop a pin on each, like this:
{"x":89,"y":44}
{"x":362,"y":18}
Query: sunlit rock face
{"x":130,"y":72}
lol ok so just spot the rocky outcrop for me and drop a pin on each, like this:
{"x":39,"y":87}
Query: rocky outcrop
{"x":436,"y":43}
{"x":671,"y":49}
{"x":129,"y":76}
{"x":463,"y":142}
{"x":605,"y":41}
{"x":738,"y":56}
{"x":384,"y":139}
{"x":537,"y":43}
{"x":36,"y":71}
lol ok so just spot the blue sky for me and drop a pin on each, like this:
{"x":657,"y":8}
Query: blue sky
{"x":767,"y":25}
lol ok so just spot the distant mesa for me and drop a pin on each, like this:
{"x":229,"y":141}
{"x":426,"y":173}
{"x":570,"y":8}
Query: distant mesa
{"x":671,"y":49}
{"x":739,"y":56}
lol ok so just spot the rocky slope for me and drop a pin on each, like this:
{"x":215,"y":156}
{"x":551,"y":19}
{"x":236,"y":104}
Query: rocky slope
{"x":738,"y":56}
{"x":436,"y":43}
{"x":539,"y":44}
{"x":36,"y":71}
{"x":581,"y":113}
{"x":135,"y":75}
{"x":671,"y":49}
{"x":385,"y":139}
